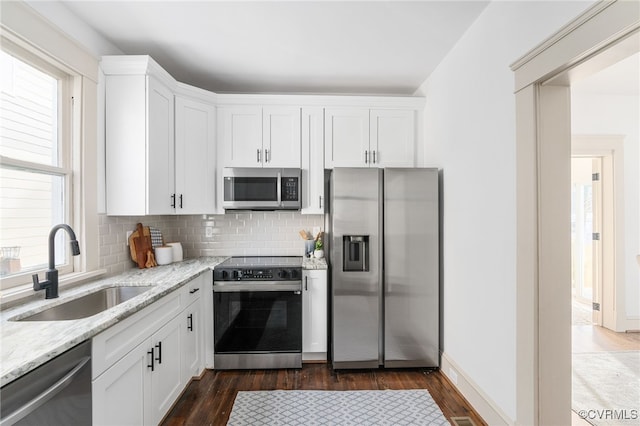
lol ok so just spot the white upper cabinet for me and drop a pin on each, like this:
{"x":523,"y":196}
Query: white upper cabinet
{"x":139,"y":145}
{"x":160,"y":141}
{"x":253,"y":136}
{"x":363,"y":137}
{"x":194,"y":156}
{"x":281,"y":136}
{"x":346,"y":137}
{"x":313,"y":201}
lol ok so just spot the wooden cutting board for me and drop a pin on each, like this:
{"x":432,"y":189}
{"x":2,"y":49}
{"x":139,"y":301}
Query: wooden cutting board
{"x":140,"y":246}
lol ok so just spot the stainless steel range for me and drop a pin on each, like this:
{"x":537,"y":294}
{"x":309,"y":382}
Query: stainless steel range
{"x":257,"y":305}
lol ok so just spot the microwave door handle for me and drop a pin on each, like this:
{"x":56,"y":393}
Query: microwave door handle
{"x":279,"y":189}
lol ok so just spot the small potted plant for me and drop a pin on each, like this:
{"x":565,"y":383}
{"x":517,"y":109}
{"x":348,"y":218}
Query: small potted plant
{"x":319,"y":251}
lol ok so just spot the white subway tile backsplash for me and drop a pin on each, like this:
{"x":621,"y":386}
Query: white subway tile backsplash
{"x":234,"y":234}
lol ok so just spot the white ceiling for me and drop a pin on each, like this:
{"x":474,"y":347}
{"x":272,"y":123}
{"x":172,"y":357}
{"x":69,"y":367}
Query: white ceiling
{"x":363,"y":47}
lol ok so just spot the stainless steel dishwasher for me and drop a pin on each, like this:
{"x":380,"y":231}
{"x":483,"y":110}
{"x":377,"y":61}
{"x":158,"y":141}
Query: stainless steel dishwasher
{"x":56,"y":393}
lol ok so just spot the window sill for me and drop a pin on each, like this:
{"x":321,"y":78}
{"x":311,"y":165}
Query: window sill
{"x":15,"y":294}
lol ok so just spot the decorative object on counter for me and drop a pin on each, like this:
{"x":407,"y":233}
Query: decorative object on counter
{"x":141,"y":247}
{"x":319,"y":251}
{"x":10,"y":260}
{"x":177,"y":251}
{"x":164,"y":255}
{"x":309,"y":243}
{"x":156,"y":237}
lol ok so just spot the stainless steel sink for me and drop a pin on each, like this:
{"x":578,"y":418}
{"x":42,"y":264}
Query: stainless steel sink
{"x":88,"y":305}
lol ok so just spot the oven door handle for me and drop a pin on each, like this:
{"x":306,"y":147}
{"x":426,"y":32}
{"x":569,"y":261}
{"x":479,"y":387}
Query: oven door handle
{"x":244,"y":286}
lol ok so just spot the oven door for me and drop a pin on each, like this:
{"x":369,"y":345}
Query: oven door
{"x":261,"y":189}
{"x":265,"y":317}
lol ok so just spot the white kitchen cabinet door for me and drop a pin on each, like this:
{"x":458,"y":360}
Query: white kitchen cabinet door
{"x":122,"y":394}
{"x":139,"y":145}
{"x":313,"y":161}
{"x":281,"y":136}
{"x":314,"y":314}
{"x":160,"y":135}
{"x":346,"y":137}
{"x":393,"y":142}
{"x":192,"y":330}
{"x":241,"y":136}
{"x":166,"y":381}
{"x":194,"y":156}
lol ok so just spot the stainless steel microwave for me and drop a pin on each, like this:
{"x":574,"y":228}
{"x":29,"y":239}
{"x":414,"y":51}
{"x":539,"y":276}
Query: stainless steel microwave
{"x":261,"y":189}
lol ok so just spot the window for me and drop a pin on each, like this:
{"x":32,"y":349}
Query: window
{"x":35,"y":165}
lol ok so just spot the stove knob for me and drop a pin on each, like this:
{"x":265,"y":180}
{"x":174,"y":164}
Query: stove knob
{"x":282,"y":274}
{"x":294,"y":274}
{"x":236,"y":275}
{"x":225,"y":275}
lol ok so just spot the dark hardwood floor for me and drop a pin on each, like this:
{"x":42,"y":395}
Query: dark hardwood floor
{"x":208,"y":401}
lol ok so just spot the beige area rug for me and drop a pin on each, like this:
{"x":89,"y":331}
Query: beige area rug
{"x":606,"y":387}
{"x":383,"y":408}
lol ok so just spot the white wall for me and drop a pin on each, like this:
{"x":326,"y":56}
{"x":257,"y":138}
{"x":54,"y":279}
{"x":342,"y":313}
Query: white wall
{"x":601,"y":114}
{"x":470,"y":134}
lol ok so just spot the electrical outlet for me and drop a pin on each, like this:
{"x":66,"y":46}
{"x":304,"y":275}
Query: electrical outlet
{"x":128,"y":235}
{"x":208,"y":231}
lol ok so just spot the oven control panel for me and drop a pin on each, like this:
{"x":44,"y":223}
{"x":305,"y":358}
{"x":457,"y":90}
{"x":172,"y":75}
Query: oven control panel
{"x":257,"y":274}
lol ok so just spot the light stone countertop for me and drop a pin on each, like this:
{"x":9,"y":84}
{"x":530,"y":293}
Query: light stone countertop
{"x":29,"y":344}
{"x":26,"y":345}
{"x":313,"y":263}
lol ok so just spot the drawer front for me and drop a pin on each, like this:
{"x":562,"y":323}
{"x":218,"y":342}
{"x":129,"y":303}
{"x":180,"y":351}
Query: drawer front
{"x":115,"y":342}
{"x":192,"y":290}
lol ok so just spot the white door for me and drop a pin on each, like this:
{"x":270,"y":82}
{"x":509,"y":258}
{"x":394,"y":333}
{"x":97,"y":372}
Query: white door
{"x":281,"y":137}
{"x":393,"y":141}
{"x":313,"y":161}
{"x":122,"y":394}
{"x":241,"y":133}
{"x":166,"y":381}
{"x":195,"y":156}
{"x":314,"y":311}
{"x":160,"y":146}
{"x":192,"y":342}
{"x":346,"y":137}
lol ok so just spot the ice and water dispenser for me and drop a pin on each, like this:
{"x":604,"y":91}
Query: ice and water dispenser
{"x":355,"y":253}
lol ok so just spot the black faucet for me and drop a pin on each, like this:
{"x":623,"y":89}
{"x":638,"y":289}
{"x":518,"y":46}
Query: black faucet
{"x":50,"y":285}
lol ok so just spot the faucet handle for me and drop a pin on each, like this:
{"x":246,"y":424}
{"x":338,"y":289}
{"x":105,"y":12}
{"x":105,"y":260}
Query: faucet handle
{"x":36,"y":282}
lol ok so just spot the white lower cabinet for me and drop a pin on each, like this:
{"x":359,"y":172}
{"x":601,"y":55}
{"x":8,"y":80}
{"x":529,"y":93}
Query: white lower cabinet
{"x":314,"y":315}
{"x":141,"y":365}
{"x":122,"y":394}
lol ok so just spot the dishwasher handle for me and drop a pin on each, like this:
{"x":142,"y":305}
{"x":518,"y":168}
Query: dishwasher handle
{"x":45,"y":396}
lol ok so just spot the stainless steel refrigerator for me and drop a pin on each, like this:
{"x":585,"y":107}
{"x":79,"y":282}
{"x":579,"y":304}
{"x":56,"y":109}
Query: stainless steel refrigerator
{"x":384,"y":261}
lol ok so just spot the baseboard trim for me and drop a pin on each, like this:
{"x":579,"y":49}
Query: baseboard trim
{"x":480,"y":401}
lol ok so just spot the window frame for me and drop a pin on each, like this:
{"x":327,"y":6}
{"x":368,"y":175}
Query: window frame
{"x":65,"y":156}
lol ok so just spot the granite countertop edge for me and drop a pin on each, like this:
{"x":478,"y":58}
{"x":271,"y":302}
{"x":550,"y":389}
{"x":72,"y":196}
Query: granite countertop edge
{"x":27,"y":345}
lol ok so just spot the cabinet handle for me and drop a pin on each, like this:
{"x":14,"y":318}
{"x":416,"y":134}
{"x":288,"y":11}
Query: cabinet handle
{"x":258,"y":155}
{"x":173,"y":201}
{"x":180,"y":200}
{"x":320,"y":201}
{"x":150,"y":353}
{"x":306,"y":282}
{"x":267,"y":157}
{"x":190,"y":322}
{"x":374,"y":160}
{"x":366,"y":157}
{"x":194,"y":290}
{"x":159,"y":346}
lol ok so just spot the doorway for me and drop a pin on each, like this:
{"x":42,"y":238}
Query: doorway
{"x":586,"y":250}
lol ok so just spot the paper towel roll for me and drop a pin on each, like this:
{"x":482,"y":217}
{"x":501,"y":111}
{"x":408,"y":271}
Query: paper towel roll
{"x":164,"y":255}
{"x":177,"y":251}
